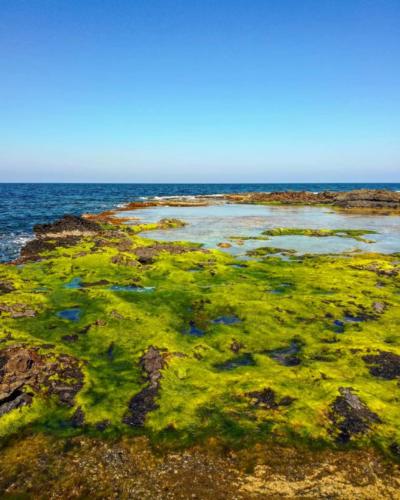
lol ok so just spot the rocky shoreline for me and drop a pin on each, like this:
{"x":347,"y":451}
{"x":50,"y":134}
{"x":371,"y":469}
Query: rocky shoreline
{"x":364,"y":201}
{"x":139,"y":358}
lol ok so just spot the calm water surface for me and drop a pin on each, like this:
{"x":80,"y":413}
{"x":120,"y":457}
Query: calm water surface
{"x":217,"y":223}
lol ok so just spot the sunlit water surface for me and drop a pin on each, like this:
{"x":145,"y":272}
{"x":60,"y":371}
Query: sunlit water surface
{"x":214,"y":224}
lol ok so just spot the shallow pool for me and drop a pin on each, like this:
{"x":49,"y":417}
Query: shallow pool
{"x":214,"y":224}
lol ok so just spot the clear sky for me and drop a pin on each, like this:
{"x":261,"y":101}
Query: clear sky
{"x":200,"y":90}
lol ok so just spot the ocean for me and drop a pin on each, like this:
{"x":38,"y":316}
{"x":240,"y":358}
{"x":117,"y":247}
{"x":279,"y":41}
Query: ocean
{"x":24,"y":205}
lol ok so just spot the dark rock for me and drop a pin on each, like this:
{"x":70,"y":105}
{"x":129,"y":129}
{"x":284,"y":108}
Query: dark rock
{"x":110,"y":351}
{"x":102,"y":426}
{"x":140,"y":405}
{"x":384,"y":365}
{"x":286,"y":401}
{"x":67,"y":224}
{"x":236,"y":346}
{"x":350,"y":416}
{"x":33,"y":249}
{"x":22,"y":368}
{"x":287,"y":355}
{"x":78,"y":418}
{"x":266,"y":399}
{"x":70,"y":338}
{"x":395,"y":449}
{"x":152,"y":363}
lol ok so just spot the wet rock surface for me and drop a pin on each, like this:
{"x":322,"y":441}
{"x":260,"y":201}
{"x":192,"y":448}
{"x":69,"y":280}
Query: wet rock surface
{"x":350,"y":416}
{"x":152,"y":363}
{"x":384,"y":365}
{"x":25,"y":372}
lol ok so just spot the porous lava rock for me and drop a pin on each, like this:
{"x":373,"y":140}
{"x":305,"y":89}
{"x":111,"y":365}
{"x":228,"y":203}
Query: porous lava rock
{"x":24,"y":372}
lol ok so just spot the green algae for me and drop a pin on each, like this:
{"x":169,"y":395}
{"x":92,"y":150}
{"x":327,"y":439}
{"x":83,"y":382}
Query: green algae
{"x":197,"y":399}
{"x":355,"y":234}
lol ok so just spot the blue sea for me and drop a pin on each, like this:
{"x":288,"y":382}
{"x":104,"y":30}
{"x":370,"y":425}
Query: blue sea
{"x":24,"y":205}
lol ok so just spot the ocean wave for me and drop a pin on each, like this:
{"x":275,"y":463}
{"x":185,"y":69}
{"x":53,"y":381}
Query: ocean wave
{"x":11,"y":244}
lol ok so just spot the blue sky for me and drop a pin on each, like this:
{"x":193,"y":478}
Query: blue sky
{"x":200,"y":90}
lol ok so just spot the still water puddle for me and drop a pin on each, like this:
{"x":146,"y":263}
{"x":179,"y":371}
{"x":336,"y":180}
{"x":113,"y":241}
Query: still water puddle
{"x":73,"y":314}
{"x":226,"y":320}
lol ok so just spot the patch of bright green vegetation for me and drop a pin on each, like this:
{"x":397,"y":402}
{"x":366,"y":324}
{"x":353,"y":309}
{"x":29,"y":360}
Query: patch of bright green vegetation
{"x":264,"y":251}
{"x":278,"y":304}
{"x":355,"y":234}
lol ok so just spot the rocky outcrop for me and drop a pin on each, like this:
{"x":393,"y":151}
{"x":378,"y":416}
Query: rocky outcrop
{"x":25,"y":372}
{"x":284,"y":197}
{"x":65,"y":232}
{"x":67,"y":225}
{"x":152,"y":363}
{"x":368,"y":198}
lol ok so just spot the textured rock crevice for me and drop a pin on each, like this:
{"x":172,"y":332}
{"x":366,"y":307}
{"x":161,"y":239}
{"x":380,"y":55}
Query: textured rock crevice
{"x":152,"y":363}
{"x":25,"y":372}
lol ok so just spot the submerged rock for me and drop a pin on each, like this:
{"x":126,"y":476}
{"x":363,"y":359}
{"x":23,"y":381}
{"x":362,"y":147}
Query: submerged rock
{"x":350,"y":416}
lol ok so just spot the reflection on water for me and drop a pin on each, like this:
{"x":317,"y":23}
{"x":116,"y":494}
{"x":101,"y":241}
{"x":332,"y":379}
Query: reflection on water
{"x":217,"y":223}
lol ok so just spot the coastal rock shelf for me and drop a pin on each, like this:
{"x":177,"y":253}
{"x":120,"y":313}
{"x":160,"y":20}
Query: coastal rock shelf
{"x":109,"y":333}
